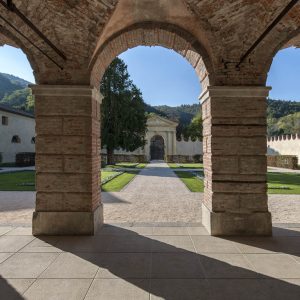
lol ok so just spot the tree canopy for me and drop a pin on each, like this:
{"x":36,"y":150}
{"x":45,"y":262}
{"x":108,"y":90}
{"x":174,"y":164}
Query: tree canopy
{"x":123,"y":124}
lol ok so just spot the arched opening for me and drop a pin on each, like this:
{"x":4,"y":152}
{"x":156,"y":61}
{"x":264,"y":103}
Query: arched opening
{"x":157,"y":148}
{"x":283,"y":129}
{"x":17,"y":128}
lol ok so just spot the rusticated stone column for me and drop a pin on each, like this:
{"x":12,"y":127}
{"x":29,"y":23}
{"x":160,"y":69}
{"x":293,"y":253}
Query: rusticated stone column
{"x":234,"y":147}
{"x":67,"y":160}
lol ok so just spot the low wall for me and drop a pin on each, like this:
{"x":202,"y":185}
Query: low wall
{"x":126,"y":158}
{"x":189,"y":147}
{"x":184,"y":158}
{"x":284,"y":145}
{"x":283,"y":161}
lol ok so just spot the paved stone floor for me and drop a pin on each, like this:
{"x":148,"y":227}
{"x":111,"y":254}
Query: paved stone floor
{"x":149,"y":262}
{"x":164,"y":255}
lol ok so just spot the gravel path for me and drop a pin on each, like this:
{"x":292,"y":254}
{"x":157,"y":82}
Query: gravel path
{"x":155,"y":195}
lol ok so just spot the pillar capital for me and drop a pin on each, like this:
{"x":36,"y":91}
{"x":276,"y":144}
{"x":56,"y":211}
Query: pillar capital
{"x":67,"y":90}
{"x":235,"y":92}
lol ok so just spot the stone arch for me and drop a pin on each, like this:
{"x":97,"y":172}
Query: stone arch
{"x":7,"y":38}
{"x":291,"y":40}
{"x":153,"y":34}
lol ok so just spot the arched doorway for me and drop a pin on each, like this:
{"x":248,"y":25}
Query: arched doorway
{"x":157,"y":148}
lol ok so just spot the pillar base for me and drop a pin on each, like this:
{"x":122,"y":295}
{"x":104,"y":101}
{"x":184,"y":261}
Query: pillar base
{"x":229,"y":224}
{"x":67,"y":223}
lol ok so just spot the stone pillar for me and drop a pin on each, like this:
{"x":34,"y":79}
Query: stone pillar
{"x":67,"y":160}
{"x":235,"y":166}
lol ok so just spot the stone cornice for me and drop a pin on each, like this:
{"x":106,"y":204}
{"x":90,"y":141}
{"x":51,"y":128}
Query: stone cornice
{"x":66,"y":90}
{"x":235,"y":91}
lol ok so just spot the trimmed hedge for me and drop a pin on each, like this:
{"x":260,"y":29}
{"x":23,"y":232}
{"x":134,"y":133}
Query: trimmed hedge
{"x":283,"y":161}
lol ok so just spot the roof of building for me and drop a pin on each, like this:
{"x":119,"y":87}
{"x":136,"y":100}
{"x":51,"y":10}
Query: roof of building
{"x":16,"y":111}
{"x":164,"y":121}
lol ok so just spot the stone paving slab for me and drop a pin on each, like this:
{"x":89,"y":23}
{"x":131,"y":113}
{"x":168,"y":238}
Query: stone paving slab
{"x":151,"y":262}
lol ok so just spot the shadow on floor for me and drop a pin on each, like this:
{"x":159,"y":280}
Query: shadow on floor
{"x":167,"y":267}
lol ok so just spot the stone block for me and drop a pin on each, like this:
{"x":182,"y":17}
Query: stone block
{"x":67,"y":223}
{"x":237,"y":224}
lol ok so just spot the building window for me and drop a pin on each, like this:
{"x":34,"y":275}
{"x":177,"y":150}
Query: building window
{"x":33,"y":140}
{"x":16,"y":139}
{"x":4,"y":120}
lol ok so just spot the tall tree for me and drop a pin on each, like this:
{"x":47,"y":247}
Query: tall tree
{"x":123,"y":123}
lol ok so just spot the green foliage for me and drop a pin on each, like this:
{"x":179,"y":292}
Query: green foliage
{"x":123,"y":111}
{"x":194,"y":129}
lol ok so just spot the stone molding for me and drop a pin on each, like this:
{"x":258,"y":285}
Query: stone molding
{"x":67,"y":90}
{"x":234,"y":92}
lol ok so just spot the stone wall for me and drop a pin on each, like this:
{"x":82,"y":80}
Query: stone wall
{"x":284,"y":145}
{"x":283,"y":161}
{"x":189,"y":147}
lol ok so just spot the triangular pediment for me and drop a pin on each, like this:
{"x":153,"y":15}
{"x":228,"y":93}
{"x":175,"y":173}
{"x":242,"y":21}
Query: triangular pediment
{"x":158,"y":121}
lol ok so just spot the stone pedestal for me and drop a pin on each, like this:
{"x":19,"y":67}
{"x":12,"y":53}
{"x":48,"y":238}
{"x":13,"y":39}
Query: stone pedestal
{"x":234,"y":154}
{"x":67,"y":160}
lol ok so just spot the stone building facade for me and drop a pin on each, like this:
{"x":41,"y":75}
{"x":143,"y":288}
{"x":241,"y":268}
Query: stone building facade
{"x":161,"y":144}
{"x":17,"y":133}
{"x":213,"y":36}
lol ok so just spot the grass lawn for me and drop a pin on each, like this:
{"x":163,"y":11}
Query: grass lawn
{"x":18,"y":181}
{"x":127,"y":165}
{"x":283,"y":183}
{"x":186,"y":166}
{"x":117,"y":184}
{"x":105,"y":174}
{"x":193,"y":183}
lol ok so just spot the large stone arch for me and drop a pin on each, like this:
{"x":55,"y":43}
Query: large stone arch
{"x":153,"y":34}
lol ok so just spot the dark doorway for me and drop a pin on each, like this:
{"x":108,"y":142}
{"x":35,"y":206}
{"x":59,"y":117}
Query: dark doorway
{"x":157,"y":148}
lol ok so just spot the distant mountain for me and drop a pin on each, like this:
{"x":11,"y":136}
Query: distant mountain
{"x":280,"y":108}
{"x":10,"y":83}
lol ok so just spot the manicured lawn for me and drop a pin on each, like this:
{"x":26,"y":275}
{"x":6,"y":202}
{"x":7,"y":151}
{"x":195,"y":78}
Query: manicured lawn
{"x":18,"y":181}
{"x":117,"y":184}
{"x":186,"y":166}
{"x":283,"y":183}
{"x":127,"y":165}
{"x":193,"y":183}
{"x":106,"y":174}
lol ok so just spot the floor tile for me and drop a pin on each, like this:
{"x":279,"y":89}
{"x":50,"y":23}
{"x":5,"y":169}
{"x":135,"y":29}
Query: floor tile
{"x":5,"y":229}
{"x":179,"y":289}
{"x":69,"y":265}
{"x":275,"y":265}
{"x":45,"y":244}
{"x":13,"y":243}
{"x":277,"y":231}
{"x":116,"y":230}
{"x":130,"y":244}
{"x":4,"y":256}
{"x":210,"y":244}
{"x":170,"y":231}
{"x":197,"y":231}
{"x":171,"y":244}
{"x":26,"y":265}
{"x":237,"y":289}
{"x":273,"y":289}
{"x":84,"y":243}
{"x":12,"y":289}
{"x":119,"y":289}
{"x":176,"y":265}
{"x":20,"y":231}
{"x":217,"y":265}
{"x":124,"y":265}
{"x":58,"y":289}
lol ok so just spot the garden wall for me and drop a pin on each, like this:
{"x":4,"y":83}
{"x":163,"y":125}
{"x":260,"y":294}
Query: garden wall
{"x":283,"y":161}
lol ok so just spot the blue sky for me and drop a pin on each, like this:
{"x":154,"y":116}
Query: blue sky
{"x":164,"y":77}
